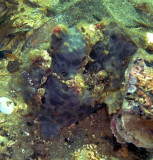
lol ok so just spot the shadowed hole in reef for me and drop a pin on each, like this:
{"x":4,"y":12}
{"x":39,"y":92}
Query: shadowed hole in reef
{"x":43,"y":100}
{"x":116,"y":145}
{"x":140,"y":152}
{"x":64,"y":74}
{"x":148,"y":64}
{"x":67,"y":140}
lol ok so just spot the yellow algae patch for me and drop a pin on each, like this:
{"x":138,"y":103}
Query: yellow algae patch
{"x":88,"y":152}
{"x":3,"y":74}
{"x":77,"y":83}
{"x":90,"y":32}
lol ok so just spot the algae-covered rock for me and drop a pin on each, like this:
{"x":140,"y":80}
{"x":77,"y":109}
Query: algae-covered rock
{"x":134,"y":123}
{"x":75,"y":11}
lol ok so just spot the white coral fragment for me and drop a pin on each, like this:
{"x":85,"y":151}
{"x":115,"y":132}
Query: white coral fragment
{"x":6,"y":105}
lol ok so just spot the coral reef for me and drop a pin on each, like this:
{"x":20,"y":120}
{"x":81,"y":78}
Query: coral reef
{"x":86,"y":62}
{"x":84,"y":72}
{"x":79,"y":76}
